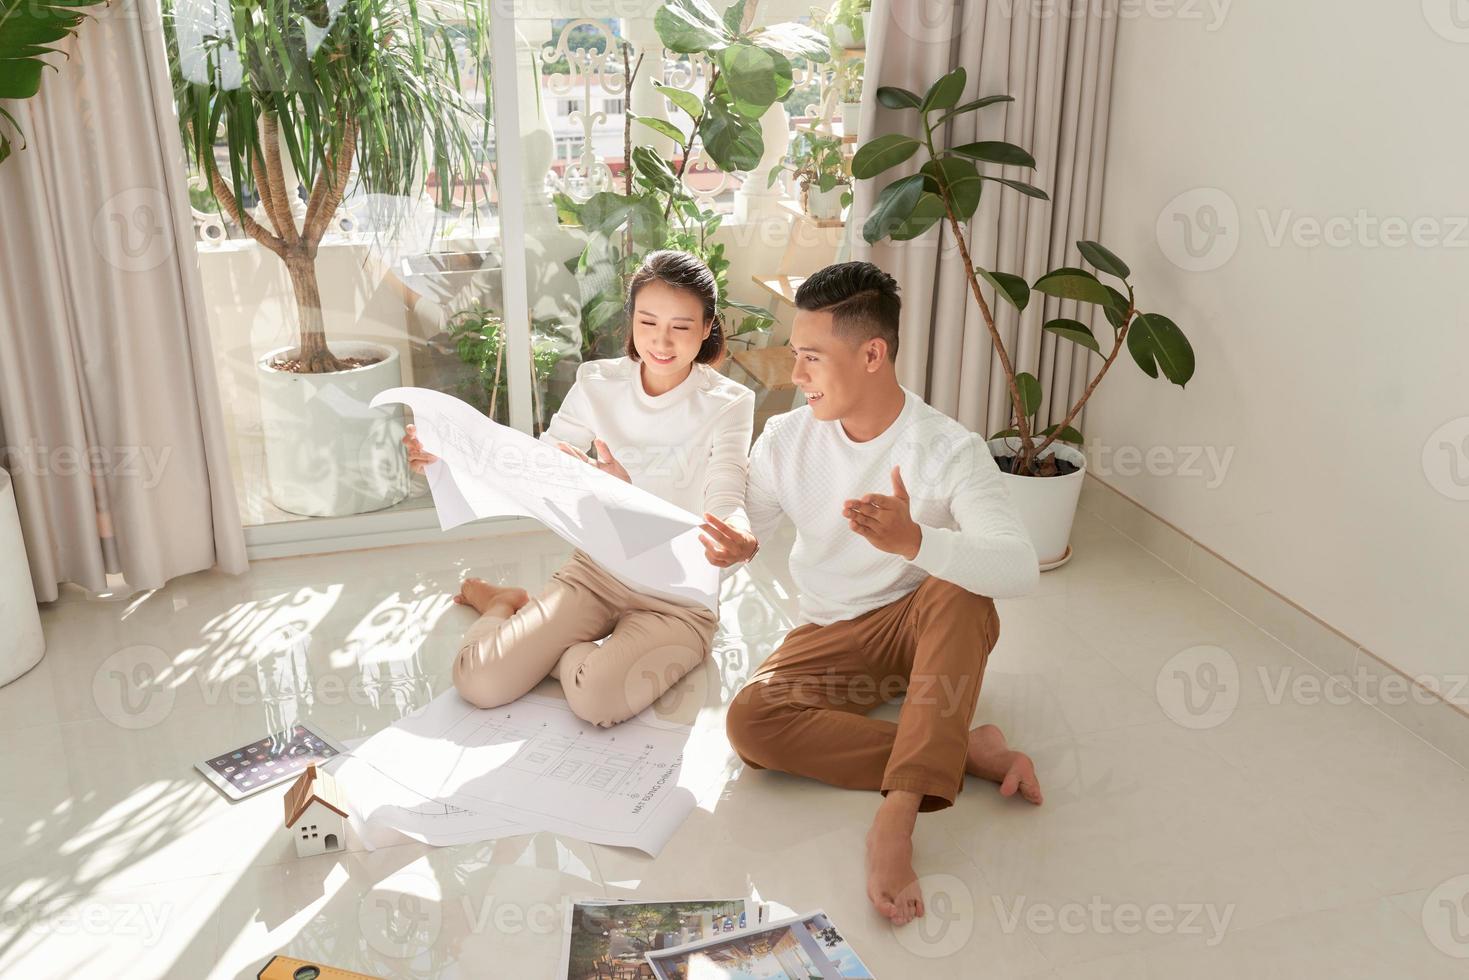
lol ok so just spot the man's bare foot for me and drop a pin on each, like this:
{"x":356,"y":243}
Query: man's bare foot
{"x":892,"y":885}
{"x":483,"y":596}
{"x":989,"y":757}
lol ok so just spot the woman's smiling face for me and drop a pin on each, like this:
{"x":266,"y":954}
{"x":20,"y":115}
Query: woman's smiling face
{"x":668,"y":328}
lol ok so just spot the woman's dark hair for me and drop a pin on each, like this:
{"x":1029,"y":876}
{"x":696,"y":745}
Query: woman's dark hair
{"x":681,"y":270}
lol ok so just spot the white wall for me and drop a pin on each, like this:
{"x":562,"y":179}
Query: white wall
{"x":1328,"y":359}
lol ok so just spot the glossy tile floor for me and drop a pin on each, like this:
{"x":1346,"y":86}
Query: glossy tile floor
{"x":1195,"y":825}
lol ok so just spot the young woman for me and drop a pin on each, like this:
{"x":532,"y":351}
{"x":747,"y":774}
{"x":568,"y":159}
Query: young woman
{"x":664,"y":420}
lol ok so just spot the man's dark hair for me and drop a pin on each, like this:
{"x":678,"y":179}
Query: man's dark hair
{"x":862,"y":299}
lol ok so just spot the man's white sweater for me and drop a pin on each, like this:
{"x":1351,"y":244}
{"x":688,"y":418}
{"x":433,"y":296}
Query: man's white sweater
{"x":972,"y":536}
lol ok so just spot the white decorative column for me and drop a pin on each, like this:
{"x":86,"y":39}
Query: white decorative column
{"x":644,"y":99}
{"x":538,"y":142}
{"x":755,"y":198}
{"x":20,"y":621}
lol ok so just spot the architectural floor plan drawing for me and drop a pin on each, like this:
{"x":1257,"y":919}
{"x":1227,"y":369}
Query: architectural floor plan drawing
{"x":532,"y":765}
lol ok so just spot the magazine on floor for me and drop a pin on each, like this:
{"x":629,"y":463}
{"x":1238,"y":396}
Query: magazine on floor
{"x":610,"y":937}
{"x":799,"y":948}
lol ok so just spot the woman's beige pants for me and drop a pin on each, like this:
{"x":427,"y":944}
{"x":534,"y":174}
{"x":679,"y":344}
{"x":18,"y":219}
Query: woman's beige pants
{"x":650,"y":643}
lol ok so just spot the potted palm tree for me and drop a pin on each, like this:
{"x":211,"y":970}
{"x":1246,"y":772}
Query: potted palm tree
{"x":1044,"y":468}
{"x":321,"y":96}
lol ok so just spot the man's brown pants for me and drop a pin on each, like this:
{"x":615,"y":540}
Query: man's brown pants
{"x":804,"y":711}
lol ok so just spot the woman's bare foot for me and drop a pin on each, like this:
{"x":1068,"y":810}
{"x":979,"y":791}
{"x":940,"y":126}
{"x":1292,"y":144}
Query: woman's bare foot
{"x":483,"y":596}
{"x":991,"y":758}
{"x":892,"y":885}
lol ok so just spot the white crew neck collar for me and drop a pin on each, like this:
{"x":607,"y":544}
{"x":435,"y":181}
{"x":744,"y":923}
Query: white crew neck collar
{"x":886,"y":435}
{"x":673,"y":395}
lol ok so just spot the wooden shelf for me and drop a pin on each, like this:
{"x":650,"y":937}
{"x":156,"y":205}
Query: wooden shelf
{"x":795,"y":210}
{"x":770,"y":367}
{"x":782,"y":288}
{"x":833,"y":131}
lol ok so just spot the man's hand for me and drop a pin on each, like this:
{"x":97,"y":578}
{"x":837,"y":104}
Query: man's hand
{"x":417,"y":458}
{"x":885,"y":522}
{"x":724,"y":545}
{"x":605,"y":461}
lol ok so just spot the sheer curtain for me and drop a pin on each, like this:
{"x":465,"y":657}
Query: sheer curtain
{"x":110,"y":422}
{"x":1055,"y":58}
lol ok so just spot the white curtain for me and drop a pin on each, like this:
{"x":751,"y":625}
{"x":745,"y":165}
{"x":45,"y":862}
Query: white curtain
{"x":1055,"y":58}
{"x":110,"y":422}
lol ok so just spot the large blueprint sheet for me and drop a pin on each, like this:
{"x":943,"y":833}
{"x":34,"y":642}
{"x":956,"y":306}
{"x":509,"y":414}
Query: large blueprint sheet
{"x":489,"y":470}
{"x":532,"y":765}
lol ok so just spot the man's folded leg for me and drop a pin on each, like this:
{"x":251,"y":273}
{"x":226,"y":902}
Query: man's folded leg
{"x":804,"y":710}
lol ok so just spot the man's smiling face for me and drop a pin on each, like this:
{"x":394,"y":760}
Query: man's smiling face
{"x":831,"y":370}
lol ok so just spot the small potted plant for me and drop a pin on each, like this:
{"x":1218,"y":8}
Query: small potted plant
{"x":848,"y":81}
{"x":846,"y":22}
{"x":1044,"y":468}
{"x":821,"y":173}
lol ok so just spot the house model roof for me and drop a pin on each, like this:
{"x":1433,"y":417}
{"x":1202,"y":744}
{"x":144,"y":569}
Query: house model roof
{"x":312,"y":785}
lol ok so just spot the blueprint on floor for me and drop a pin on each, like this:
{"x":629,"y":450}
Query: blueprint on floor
{"x":532,"y":765}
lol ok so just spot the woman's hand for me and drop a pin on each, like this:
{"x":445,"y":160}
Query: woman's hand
{"x":417,"y":458}
{"x":724,"y":545}
{"x":605,"y":461}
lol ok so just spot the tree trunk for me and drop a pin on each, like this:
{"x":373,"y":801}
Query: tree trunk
{"x":314,"y":355}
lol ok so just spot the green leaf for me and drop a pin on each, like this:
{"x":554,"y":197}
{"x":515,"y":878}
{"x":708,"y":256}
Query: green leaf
{"x":1013,"y":288}
{"x":895,"y":203}
{"x":1074,"y":331}
{"x":1077,"y":284}
{"x":1104,"y":260}
{"x":927,"y":212}
{"x":996,"y":151}
{"x":605,"y":212}
{"x":1067,"y":434}
{"x":961,"y":182}
{"x":945,"y":92}
{"x":795,"y":41}
{"x":883,"y":153}
{"x":1117,"y":309}
{"x":734,"y":16}
{"x":687,"y":101}
{"x":1156,"y":342}
{"x":1030,"y":392}
{"x":988,"y":100}
{"x":662,"y":126}
{"x":750,"y":74}
{"x":1020,"y":186}
{"x":893,"y":97}
{"x":732,"y":140}
{"x":649,"y":165}
{"x":690,"y":27}
{"x":1011,"y":433}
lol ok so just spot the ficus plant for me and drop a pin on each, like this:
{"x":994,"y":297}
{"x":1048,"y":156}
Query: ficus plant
{"x":750,"y":70}
{"x":947,"y":188}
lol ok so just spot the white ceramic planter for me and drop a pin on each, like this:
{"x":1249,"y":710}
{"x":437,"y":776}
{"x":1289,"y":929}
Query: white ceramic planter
{"x":851,"y":114}
{"x":327,"y":453}
{"x":20,"y":621}
{"x":825,"y":205}
{"x":844,"y":36}
{"x":1047,"y":504}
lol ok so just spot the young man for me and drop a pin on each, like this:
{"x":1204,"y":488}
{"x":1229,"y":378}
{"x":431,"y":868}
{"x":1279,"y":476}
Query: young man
{"x":904,"y":537}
